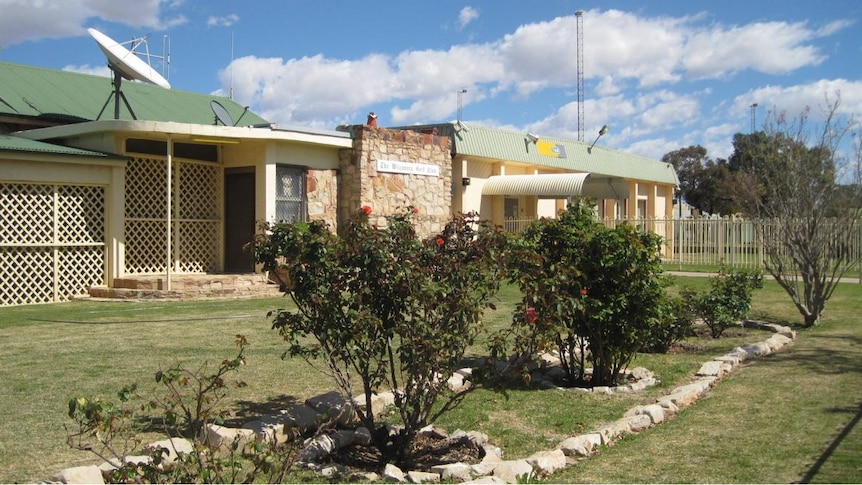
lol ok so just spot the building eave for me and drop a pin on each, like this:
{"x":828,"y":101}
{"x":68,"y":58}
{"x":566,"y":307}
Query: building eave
{"x":190,"y":131}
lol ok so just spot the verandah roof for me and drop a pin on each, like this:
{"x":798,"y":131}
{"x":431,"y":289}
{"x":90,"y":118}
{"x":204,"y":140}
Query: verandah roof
{"x":557,"y":185}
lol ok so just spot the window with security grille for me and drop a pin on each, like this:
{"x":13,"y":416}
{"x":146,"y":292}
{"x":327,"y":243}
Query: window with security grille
{"x":289,"y":194}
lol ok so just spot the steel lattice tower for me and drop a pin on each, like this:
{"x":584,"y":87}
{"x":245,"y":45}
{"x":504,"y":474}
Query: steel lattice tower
{"x":579,"y":15}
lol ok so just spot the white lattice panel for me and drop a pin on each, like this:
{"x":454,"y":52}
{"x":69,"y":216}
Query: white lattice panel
{"x":199,"y":186}
{"x":199,"y":248}
{"x":145,"y":247}
{"x":26,"y":275}
{"x":52,"y":240}
{"x":26,"y":213}
{"x":80,"y":214}
{"x":196,"y":206}
{"x":79,"y":268}
{"x":145,"y":188}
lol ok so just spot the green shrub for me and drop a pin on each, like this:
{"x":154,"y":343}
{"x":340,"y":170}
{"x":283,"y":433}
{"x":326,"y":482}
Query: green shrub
{"x":386,"y":307}
{"x":727,"y":301}
{"x":677,"y":321}
{"x":593,"y":293}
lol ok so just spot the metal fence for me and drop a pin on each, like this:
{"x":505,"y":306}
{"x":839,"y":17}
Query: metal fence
{"x":710,"y":242}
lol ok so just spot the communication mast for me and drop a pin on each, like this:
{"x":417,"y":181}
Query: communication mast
{"x":579,"y":16}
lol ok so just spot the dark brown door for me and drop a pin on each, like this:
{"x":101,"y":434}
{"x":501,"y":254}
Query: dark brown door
{"x":239,"y":220}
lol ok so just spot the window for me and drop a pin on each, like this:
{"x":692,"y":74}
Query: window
{"x":289,"y":194}
{"x":510,"y":208}
{"x":207,"y":153}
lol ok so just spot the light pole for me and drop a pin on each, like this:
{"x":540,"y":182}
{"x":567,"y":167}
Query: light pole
{"x":602,"y":132}
{"x":753,"y":114}
{"x":461,"y":93}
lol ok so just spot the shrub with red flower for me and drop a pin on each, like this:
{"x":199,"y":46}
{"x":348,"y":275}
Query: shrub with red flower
{"x":366,"y":209}
{"x":599,"y":292}
{"x":375,"y":293}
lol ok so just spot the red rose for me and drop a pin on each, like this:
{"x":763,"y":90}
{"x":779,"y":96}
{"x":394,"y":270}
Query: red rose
{"x":441,"y":241}
{"x":584,"y":291}
{"x":530,"y":315}
{"x":366,"y":209}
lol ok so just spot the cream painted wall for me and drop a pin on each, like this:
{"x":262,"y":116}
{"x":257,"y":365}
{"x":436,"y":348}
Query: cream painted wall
{"x":547,"y":208}
{"x":245,"y":154}
{"x":661,"y":202}
{"x":311,"y":156}
{"x":84,"y":170}
{"x":471,"y":195}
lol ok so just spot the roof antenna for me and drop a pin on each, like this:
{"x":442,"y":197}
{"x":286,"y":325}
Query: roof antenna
{"x":230,"y":91}
{"x":166,"y":60}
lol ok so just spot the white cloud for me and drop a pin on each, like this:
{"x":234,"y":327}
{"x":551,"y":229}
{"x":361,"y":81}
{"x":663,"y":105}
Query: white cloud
{"x":769,"y":47}
{"x":608,"y":86}
{"x":224,"y":21}
{"x":466,"y":16}
{"x":102,"y":70}
{"x":629,"y":117}
{"x":834,"y":27}
{"x":792,"y":100}
{"x":310,"y":88}
{"x":718,"y":140}
{"x":27,"y":20}
{"x":654,"y":148}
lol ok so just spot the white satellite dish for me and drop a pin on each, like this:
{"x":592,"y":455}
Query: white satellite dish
{"x":125,"y":62}
{"x":221,"y":113}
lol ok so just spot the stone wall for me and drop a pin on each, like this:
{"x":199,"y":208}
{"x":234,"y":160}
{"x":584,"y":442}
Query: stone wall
{"x":322,"y":196}
{"x":388,"y":192}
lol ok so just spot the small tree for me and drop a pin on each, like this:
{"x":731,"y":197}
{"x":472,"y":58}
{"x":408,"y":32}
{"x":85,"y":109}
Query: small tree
{"x":806,"y":201}
{"x":594,"y":293}
{"x":386,"y":307}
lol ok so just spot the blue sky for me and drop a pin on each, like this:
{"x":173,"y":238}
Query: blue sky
{"x":663,"y":74}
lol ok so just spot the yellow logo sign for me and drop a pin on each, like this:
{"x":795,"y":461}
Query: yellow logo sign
{"x":550,"y":149}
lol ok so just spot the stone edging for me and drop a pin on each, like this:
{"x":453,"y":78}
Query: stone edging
{"x":332,"y":408}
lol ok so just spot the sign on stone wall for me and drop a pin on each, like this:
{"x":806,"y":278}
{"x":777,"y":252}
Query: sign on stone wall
{"x":408,"y":168}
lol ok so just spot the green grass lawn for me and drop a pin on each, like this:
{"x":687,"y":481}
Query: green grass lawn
{"x":773,"y":420}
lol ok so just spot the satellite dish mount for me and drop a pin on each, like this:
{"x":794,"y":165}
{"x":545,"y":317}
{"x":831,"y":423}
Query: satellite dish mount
{"x":117,"y":95}
{"x":125,"y":63}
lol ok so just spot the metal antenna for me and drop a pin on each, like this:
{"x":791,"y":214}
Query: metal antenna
{"x":166,"y":60}
{"x":230,"y":91}
{"x":579,"y":16}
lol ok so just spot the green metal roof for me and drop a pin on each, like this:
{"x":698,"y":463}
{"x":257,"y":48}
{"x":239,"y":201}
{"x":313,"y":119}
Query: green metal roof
{"x":64,"y":97}
{"x":18,"y":144}
{"x":513,"y":146}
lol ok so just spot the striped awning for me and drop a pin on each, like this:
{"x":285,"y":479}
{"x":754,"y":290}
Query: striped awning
{"x":557,"y":185}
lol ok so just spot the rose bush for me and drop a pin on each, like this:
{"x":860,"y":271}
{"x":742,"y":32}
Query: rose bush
{"x":386,"y":307}
{"x":594,"y":294}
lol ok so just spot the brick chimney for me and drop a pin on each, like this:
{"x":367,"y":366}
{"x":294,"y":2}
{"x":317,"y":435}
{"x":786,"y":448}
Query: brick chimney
{"x":372,"y":120}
